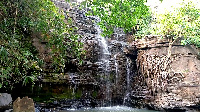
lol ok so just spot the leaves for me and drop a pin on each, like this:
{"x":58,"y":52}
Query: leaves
{"x":182,"y":22}
{"x":28,"y":79}
{"x":19,"y":61}
{"x":119,"y":13}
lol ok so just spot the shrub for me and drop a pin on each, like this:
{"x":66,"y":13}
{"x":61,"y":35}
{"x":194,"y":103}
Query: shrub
{"x":181,"y":22}
{"x":18,"y":57}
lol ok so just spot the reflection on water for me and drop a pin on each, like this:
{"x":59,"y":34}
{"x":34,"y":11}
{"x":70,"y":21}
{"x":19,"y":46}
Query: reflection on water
{"x":110,"y":109}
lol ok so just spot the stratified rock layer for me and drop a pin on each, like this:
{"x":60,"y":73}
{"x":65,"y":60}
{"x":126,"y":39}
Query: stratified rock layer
{"x":166,"y":82}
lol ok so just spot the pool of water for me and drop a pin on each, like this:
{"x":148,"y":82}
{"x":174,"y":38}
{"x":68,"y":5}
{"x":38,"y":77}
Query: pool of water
{"x":50,"y":97}
{"x":110,"y":109}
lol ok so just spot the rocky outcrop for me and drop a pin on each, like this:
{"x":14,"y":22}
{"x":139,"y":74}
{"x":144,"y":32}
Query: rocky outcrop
{"x":111,"y":76}
{"x":166,"y":82}
{"x":93,"y":65}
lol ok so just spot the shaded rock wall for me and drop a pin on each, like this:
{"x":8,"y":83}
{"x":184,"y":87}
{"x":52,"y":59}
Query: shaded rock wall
{"x":166,"y":82}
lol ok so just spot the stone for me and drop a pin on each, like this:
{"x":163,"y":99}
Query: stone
{"x":172,"y":82}
{"x":5,"y":99}
{"x":23,"y":105}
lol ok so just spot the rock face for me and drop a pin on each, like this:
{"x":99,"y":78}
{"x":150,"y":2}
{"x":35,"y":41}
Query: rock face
{"x":113,"y":74}
{"x":166,"y":82}
{"x":160,"y":81}
{"x":23,"y":105}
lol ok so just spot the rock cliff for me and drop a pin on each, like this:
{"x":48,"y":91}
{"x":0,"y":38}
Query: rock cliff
{"x":94,"y":70}
{"x":166,"y":82}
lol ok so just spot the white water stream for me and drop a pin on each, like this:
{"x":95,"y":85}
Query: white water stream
{"x":102,"y":40}
{"x":116,"y":69}
{"x":128,"y":87}
{"x":105,"y":59}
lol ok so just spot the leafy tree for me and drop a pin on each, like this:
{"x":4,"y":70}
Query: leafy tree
{"x":126,"y":14}
{"x":182,"y":22}
{"x":19,"y":19}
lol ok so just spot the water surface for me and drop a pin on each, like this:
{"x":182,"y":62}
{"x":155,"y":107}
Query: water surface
{"x":110,"y":109}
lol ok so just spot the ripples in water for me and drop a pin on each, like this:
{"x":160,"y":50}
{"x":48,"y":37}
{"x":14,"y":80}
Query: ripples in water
{"x":110,"y":109}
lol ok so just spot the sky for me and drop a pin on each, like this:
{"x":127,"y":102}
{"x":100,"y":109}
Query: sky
{"x":80,"y":0}
{"x":160,"y":7}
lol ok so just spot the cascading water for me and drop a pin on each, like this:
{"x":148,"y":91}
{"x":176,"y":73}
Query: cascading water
{"x":81,"y":98}
{"x":116,"y":69}
{"x":113,"y":67}
{"x":128,"y":70}
{"x":122,"y":66}
{"x":103,"y":42}
{"x":128,"y":87}
{"x":104,"y":58}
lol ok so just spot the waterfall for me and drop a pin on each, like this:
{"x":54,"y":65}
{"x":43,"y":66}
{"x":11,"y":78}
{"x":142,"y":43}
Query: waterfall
{"x":128,"y":67}
{"x":102,"y":40}
{"x":116,"y":69}
{"x":105,"y":60}
{"x":128,"y":87}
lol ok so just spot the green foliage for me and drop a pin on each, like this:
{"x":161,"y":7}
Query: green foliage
{"x":126,"y":14}
{"x":182,"y":22}
{"x":17,"y":64}
{"x":18,"y":57}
